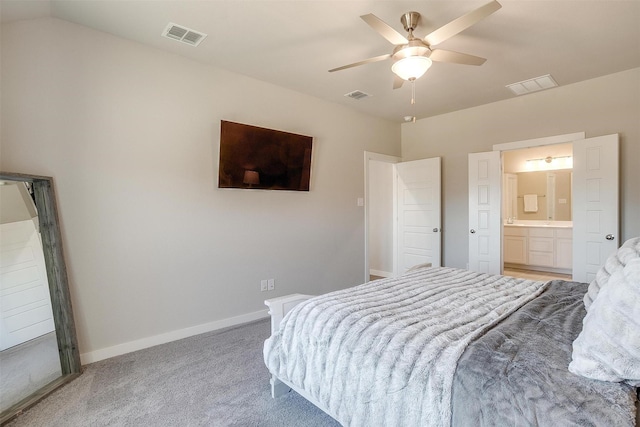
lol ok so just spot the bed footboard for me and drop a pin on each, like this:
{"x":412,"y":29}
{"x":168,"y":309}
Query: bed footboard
{"x":278,"y":308}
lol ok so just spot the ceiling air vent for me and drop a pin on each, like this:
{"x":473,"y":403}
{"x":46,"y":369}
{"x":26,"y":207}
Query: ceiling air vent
{"x":183,"y":34}
{"x":532,"y":85}
{"x":357,"y":94}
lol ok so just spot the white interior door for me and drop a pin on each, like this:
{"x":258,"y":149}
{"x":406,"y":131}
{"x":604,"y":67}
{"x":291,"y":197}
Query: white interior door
{"x":25,"y":305}
{"x":595,"y":204}
{"x":418,"y":207}
{"x":485,"y":230}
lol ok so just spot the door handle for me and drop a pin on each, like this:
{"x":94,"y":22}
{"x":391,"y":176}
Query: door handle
{"x":609,"y":237}
{"x":472,"y":231}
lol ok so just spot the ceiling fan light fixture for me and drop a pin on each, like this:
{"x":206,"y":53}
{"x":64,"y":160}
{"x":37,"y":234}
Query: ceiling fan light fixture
{"x":412,"y":67}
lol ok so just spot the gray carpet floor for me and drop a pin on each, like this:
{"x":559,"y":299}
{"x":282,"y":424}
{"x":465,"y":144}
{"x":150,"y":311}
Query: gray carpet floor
{"x":213,"y":379}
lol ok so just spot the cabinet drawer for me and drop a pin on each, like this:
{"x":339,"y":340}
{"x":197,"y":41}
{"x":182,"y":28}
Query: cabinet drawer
{"x":541,"y":244}
{"x":540,"y":232}
{"x":515,"y":231}
{"x":564,"y":233}
{"x":542,"y":259}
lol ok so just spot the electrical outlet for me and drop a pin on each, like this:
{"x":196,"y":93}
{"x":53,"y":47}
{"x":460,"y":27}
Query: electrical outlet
{"x":272,"y":284}
{"x":263,"y":285}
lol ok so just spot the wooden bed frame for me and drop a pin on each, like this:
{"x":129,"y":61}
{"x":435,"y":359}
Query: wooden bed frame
{"x":278,"y":308}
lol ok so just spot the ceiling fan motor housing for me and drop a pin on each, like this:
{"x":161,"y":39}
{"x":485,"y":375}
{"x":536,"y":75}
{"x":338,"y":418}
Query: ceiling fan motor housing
{"x":415,"y":47}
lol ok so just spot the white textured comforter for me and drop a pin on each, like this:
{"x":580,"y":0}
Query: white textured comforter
{"x":384,"y":353}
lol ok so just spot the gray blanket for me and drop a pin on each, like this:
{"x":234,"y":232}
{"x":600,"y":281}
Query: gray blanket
{"x":516,"y":374}
{"x":384,"y":353}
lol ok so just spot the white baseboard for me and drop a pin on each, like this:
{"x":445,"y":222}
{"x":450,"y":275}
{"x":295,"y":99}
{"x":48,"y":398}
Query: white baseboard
{"x":128,"y":347}
{"x":380,"y":273}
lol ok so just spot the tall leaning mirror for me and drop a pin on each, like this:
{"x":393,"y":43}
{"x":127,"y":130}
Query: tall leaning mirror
{"x":38,"y":345}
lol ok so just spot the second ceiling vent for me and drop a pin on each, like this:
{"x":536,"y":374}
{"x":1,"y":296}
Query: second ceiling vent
{"x":183,"y":34}
{"x":357,"y":95}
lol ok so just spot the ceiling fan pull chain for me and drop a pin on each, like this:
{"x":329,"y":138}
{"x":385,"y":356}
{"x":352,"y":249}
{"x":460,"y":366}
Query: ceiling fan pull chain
{"x":413,"y":91}
{"x":413,"y":99}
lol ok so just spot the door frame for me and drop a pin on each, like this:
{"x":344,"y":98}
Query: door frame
{"x":523,"y":144}
{"x":368,"y":157}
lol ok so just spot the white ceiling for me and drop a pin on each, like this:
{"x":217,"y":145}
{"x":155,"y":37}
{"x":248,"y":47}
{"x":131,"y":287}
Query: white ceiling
{"x":293,"y":43}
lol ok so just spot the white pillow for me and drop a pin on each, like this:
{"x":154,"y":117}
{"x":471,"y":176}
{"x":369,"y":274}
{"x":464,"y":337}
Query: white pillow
{"x":629,"y":250}
{"x":608,"y":348}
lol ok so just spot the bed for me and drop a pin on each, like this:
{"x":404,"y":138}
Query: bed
{"x":444,"y":346}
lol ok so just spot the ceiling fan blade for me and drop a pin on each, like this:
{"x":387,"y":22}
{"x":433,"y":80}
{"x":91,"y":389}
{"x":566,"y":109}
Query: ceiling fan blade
{"x":384,"y":29}
{"x":461,"y":23}
{"x":440,"y":55}
{"x":397,"y":82}
{"x":366,"y":61}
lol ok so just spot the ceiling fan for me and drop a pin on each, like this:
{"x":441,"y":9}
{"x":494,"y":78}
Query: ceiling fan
{"x":412,"y":56}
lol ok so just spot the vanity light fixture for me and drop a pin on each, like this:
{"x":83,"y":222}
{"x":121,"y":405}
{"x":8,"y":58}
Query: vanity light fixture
{"x":549,"y":163}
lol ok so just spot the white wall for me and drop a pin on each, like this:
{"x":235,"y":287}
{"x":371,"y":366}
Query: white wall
{"x":130,"y":135}
{"x":602,"y":106}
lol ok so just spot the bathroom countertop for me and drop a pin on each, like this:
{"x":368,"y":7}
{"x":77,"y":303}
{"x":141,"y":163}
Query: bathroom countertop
{"x":540,"y":223}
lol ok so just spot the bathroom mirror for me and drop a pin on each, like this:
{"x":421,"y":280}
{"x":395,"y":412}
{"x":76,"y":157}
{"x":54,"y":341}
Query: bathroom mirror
{"x":542,"y":173}
{"x":552,"y":189}
{"x":34,"y":285}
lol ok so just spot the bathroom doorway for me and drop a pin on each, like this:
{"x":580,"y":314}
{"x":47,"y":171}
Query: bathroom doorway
{"x":537,"y":210}
{"x":595,"y":215}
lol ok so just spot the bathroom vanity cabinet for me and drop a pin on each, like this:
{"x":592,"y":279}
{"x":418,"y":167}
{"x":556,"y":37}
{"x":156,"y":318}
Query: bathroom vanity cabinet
{"x":538,"y":245}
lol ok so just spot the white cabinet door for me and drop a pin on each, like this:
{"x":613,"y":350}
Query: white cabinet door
{"x":515,"y":249}
{"x":564,"y":247}
{"x":485,"y":231}
{"x":418,"y":214}
{"x":595,"y":204}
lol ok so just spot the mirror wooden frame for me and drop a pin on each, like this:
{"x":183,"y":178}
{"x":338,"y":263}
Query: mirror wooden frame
{"x":58,"y":288}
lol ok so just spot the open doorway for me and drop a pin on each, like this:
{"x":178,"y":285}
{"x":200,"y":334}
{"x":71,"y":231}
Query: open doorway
{"x":379,"y":222}
{"x":537,"y":210}
{"x":594,"y":210}
{"x":402,"y":214}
